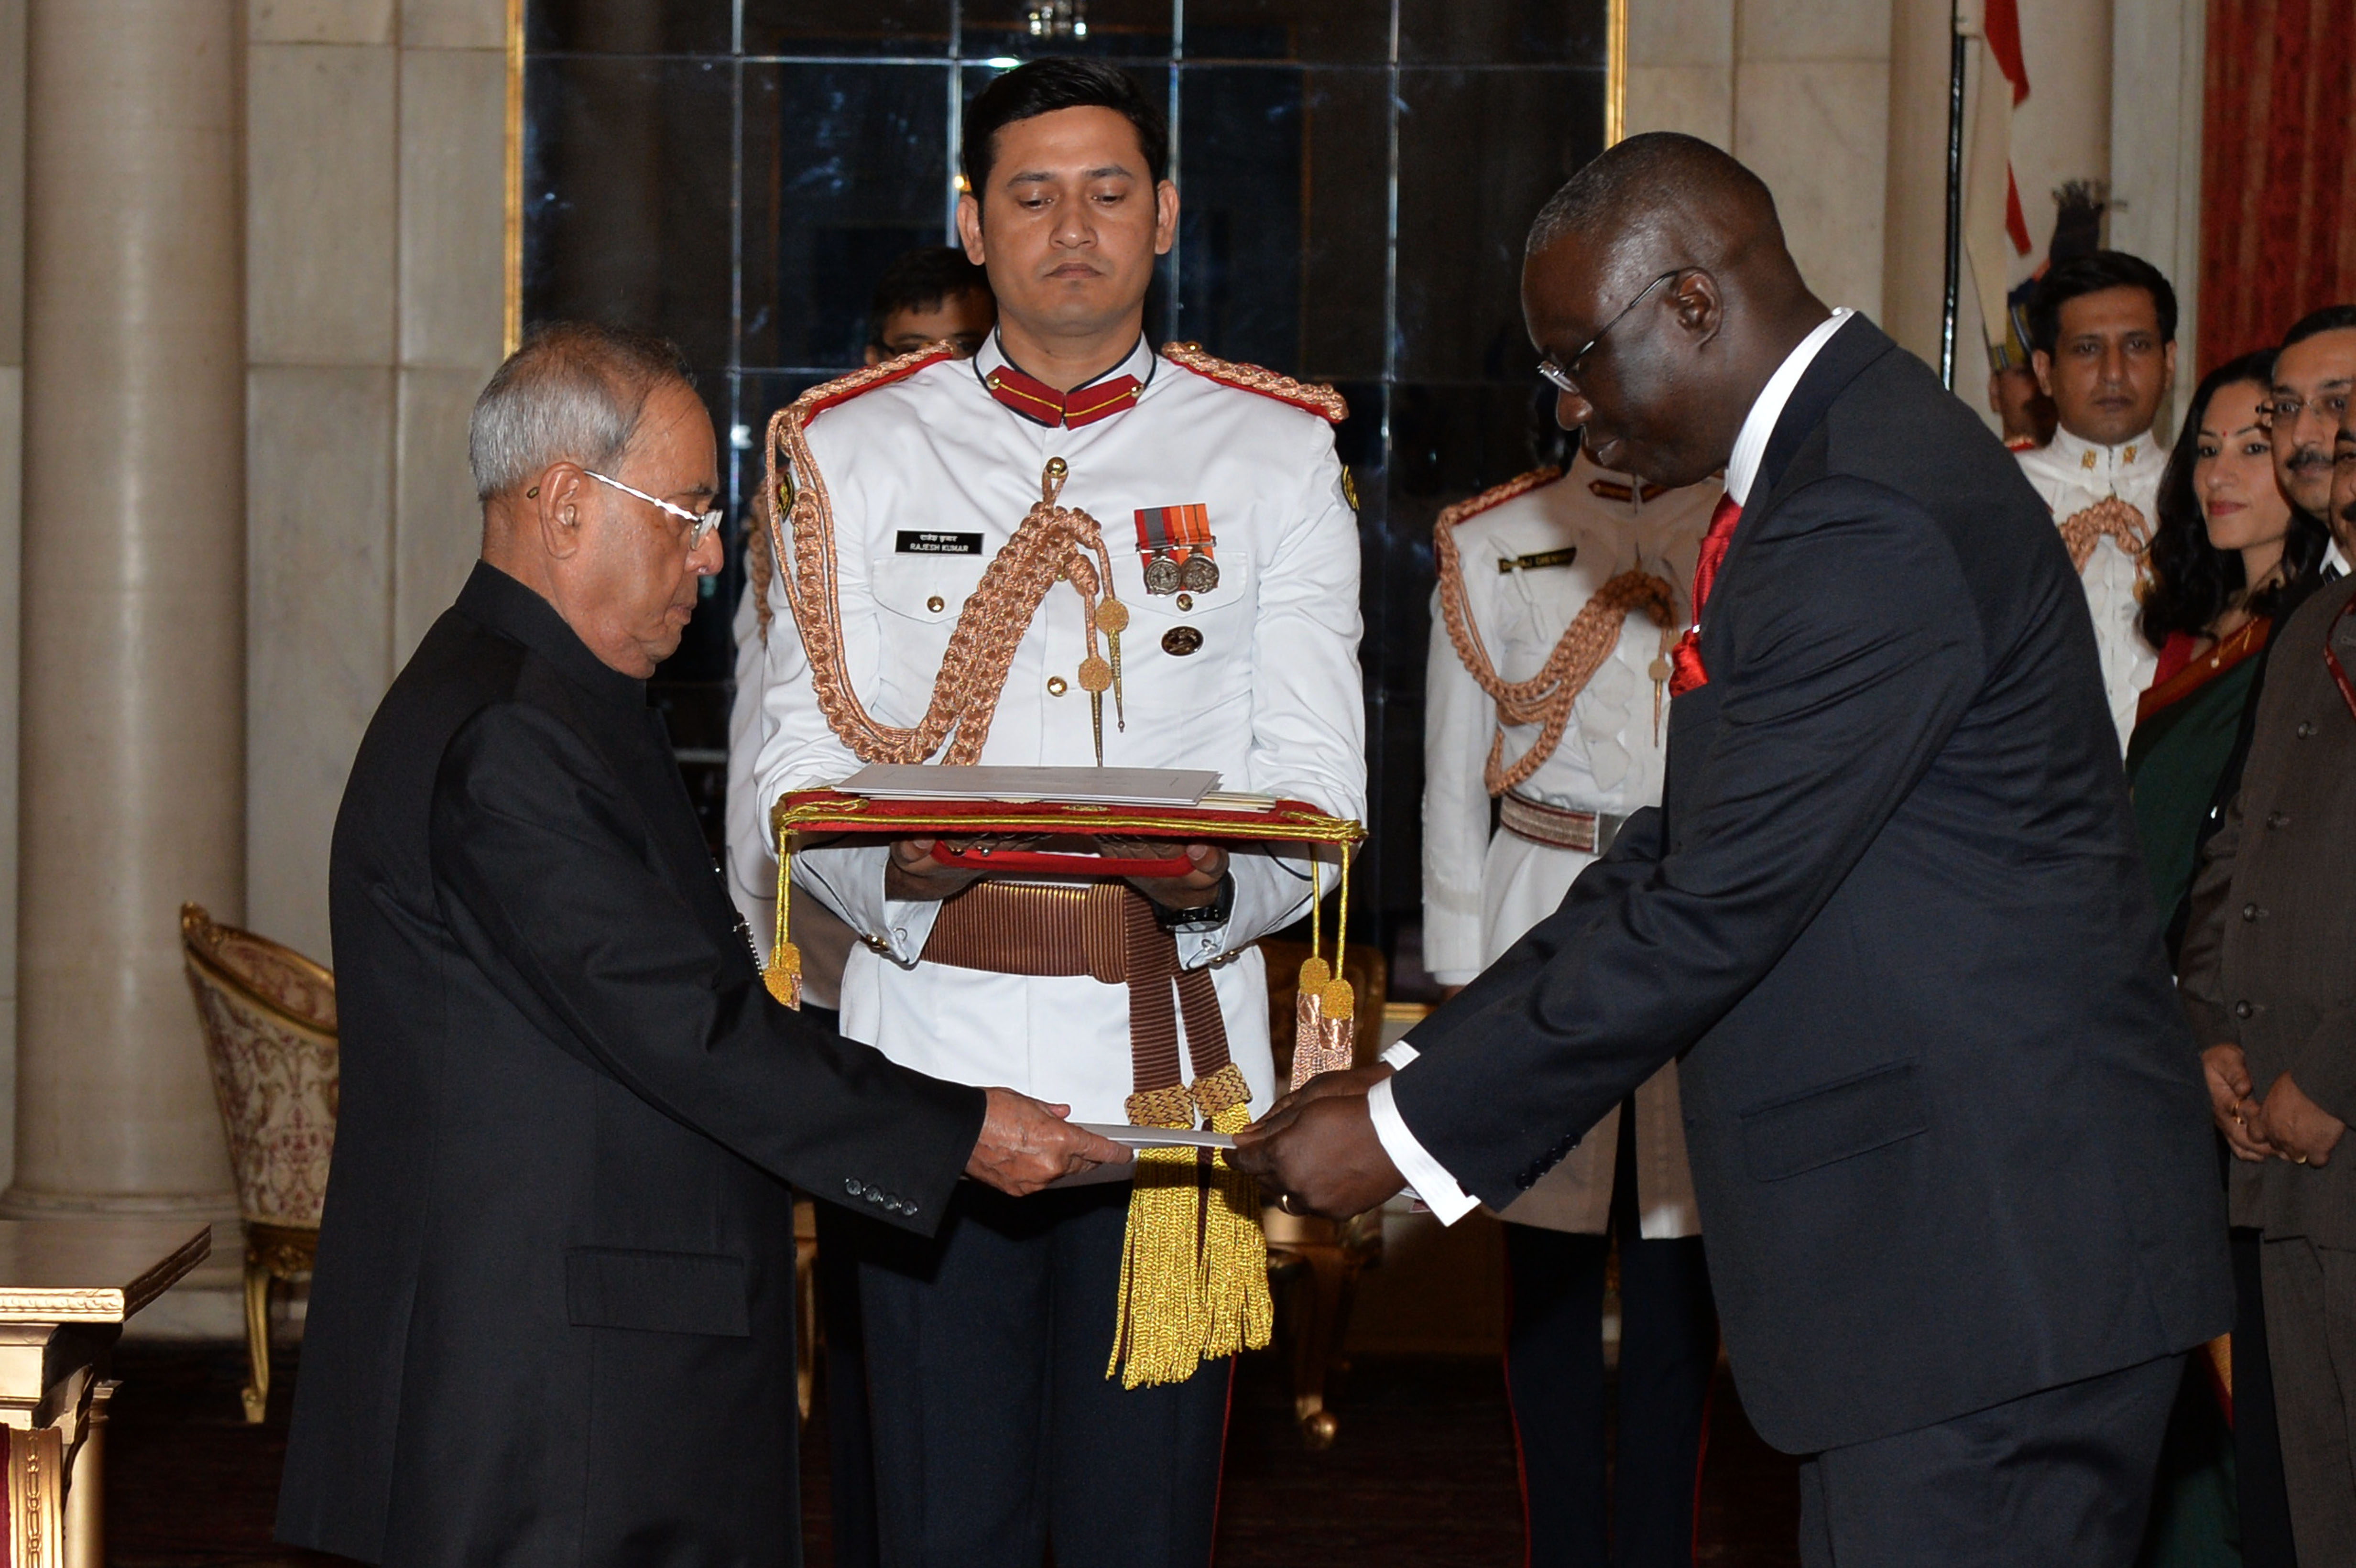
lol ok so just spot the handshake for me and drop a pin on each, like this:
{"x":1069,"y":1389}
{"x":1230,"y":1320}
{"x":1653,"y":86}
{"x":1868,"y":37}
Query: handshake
{"x":1315,"y":1151}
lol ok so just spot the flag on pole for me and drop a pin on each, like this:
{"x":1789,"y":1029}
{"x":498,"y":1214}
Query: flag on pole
{"x":1996,"y":230}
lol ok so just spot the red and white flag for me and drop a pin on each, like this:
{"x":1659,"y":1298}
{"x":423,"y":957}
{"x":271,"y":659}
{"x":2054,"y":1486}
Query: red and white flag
{"x":1996,"y":230}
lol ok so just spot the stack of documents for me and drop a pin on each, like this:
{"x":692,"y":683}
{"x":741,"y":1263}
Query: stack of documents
{"x":1076,"y":786}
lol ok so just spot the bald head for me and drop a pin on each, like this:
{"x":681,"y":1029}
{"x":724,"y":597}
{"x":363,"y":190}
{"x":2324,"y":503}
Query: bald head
{"x":1663,"y":192}
{"x":1658,"y":283}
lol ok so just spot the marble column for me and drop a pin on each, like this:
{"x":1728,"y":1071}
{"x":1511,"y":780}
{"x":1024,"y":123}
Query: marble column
{"x":132,"y":752}
{"x":2159,"y":72}
{"x":1914,"y":213}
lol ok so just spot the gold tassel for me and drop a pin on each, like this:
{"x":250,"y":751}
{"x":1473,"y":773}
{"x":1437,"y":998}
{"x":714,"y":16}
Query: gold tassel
{"x":1237,"y":1314}
{"x":1325,"y":1003}
{"x":1307,"y":998}
{"x":1158,"y":1332}
{"x":783,"y":973}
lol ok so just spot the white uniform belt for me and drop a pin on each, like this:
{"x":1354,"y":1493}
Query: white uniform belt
{"x":1590,"y":832}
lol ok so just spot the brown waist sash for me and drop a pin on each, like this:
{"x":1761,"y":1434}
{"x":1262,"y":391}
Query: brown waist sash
{"x":1105,"y":931}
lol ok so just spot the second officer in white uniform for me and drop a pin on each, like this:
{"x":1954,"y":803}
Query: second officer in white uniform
{"x":1562,"y":592}
{"x":2105,"y":348}
{"x":997,"y":1426}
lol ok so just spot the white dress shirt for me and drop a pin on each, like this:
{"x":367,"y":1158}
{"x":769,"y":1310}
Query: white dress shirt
{"x":2071,"y":475}
{"x":1426,"y":1176}
{"x":1482,"y":890}
{"x":1272,"y":700}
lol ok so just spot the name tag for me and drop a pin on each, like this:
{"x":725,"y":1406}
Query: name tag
{"x":1538,"y":563}
{"x":914,"y":542}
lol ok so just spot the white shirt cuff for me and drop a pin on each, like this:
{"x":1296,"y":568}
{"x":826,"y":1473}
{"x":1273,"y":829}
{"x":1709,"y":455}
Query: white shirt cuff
{"x":1425,"y":1177}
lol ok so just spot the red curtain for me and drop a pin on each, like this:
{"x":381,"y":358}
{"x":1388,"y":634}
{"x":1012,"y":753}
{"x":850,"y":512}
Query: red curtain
{"x":2277,"y":169}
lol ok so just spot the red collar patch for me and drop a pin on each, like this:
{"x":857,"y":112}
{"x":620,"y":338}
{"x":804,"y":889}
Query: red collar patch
{"x":1042,"y":404}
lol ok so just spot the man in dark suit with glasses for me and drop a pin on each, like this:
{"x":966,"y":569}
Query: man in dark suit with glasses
{"x":1946,"y":1121}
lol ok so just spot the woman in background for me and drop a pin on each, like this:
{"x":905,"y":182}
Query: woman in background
{"x":2226,"y":548}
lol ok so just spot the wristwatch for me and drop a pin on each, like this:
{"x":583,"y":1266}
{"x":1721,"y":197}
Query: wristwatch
{"x":1209,"y":917}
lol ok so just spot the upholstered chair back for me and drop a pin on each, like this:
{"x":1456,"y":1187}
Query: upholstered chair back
{"x":268,"y":1018}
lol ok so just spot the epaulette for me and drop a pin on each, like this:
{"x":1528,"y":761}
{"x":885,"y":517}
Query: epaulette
{"x":843,"y":388}
{"x":1323,"y":402}
{"x":1495,"y":495}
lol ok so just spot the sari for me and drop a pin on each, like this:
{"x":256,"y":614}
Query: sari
{"x":2185,"y":729}
{"x":2184,"y":733}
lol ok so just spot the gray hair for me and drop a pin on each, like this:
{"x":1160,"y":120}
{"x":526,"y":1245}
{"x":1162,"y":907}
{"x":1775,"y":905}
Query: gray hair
{"x":574,"y":391}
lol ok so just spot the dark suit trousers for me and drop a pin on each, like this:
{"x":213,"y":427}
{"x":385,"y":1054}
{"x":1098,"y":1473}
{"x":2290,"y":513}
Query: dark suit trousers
{"x":850,"y":1458}
{"x":2311,"y":1337}
{"x":2262,"y":1500}
{"x":995,"y":1427}
{"x":1555,"y":1377}
{"x":2059,"y":1478}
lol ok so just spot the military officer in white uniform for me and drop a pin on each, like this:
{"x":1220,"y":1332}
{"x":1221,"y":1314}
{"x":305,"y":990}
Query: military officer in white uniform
{"x":1521,"y":564}
{"x":2103,"y":326}
{"x":996,"y":1424}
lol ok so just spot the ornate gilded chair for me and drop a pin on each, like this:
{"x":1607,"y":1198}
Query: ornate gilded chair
{"x":268,"y":1018}
{"x":1312,"y":1264}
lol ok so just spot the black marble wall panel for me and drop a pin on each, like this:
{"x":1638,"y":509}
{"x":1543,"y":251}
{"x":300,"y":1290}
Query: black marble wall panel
{"x":1355,"y":179}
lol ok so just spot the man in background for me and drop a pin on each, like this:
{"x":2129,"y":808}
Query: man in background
{"x":930,"y":296}
{"x":2314,"y":371}
{"x":1520,"y":565}
{"x":927,"y":295}
{"x":2103,"y":336}
{"x":2267,"y":982}
{"x":2021,"y":406}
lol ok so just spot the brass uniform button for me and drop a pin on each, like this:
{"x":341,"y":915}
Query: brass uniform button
{"x":1055,"y":687}
{"x":1180,"y":641}
{"x":937,"y":604}
{"x":1185,"y":601}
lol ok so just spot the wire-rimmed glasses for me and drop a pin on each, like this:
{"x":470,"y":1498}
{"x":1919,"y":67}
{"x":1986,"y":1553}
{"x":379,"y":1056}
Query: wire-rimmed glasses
{"x":703,"y":523}
{"x":1564,"y":377}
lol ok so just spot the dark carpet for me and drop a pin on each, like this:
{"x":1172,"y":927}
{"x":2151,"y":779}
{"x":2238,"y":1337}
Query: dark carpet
{"x":1423,"y":1473}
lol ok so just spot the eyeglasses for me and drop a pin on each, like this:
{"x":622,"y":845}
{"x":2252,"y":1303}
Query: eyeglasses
{"x":1563,"y":377}
{"x":703,"y":523}
{"x":2331,"y":406}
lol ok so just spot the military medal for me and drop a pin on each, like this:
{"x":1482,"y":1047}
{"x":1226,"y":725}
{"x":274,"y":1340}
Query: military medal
{"x":1175,"y":543}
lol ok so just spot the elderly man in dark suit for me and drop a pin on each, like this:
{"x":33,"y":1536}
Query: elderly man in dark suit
{"x":1946,"y":1125}
{"x":553,"y":1320}
{"x":2269,"y":978}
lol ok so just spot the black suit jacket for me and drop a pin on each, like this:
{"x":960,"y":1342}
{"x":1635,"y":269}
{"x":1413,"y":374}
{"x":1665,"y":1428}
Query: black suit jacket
{"x":553,"y":1320}
{"x":1946,"y":1120}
